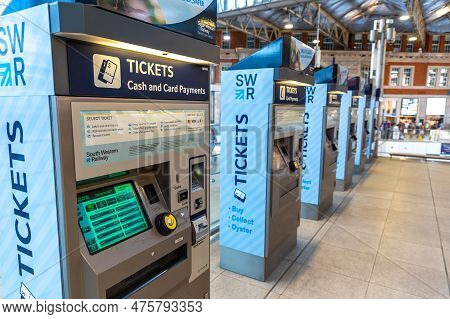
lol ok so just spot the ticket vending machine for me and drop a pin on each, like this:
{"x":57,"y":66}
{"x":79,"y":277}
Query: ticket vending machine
{"x":353,"y":127}
{"x":262,"y":112}
{"x":320,"y":149}
{"x":107,"y":176}
{"x":372,"y":144}
{"x":347,"y":135}
{"x":363,"y":129}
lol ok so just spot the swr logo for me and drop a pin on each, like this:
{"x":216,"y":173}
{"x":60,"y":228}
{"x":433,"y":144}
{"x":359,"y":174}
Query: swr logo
{"x":246,"y":86}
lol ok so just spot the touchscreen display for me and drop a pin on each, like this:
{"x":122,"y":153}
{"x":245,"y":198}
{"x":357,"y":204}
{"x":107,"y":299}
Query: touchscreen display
{"x":110,"y":215}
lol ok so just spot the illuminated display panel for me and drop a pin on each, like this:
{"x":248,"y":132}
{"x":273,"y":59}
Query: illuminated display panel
{"x":409,"y":107}
{"x":110,"y":215}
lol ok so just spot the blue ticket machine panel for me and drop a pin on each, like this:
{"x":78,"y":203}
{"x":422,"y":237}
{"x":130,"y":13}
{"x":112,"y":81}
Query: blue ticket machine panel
{"x":261,"y":134}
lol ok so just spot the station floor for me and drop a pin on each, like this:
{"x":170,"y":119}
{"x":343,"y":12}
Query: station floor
{"x":388,"y":237}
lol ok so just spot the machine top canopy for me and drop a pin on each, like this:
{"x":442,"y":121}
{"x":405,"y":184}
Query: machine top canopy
{"x":285,"y":52}
{"x":335,"y":76}
{"x":356,"y":85}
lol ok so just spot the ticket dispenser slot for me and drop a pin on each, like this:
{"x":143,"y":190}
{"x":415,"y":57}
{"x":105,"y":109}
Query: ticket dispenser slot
{"x":330,"y":156}
{"x":331,"y":139}
{"x":300,"y":151}
{"x":352,"y":141}
{"x":353,"y":132}
{"x":285,"y":164}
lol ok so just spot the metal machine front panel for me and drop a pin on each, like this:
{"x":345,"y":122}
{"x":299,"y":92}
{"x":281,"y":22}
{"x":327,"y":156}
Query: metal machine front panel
{"x":286,"y":148}
{"x":285,"y":179}
{"x":145,"y":263}
{"x":344,"y":138}
{"x":361,"y":132}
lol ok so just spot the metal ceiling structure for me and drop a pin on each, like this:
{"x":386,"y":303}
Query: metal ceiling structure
{"x":339,"y":18}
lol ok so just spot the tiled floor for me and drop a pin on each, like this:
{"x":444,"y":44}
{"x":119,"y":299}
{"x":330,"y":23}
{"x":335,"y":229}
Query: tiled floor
{"x":388,"y":238}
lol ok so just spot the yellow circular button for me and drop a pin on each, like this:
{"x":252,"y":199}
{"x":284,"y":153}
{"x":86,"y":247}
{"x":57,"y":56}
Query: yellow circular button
{"x":170,"y":221}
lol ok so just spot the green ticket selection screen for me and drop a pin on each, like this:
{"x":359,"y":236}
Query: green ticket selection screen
{"x":110,"y":215}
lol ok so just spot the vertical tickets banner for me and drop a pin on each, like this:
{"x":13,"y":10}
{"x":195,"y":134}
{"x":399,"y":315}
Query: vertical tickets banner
{"x":247,"y":96}
{"x":315,"y":113}
{"x":344,"y":134}
{"x":30,"y":251}
{"x":360,"y":131}
{"x":25,"y":53}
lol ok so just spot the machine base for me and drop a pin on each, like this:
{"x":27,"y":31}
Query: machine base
{"x":316,"y":212}
{"x":252,"y":266}
{"x":342,"y":185}
{"x":359,"y":169}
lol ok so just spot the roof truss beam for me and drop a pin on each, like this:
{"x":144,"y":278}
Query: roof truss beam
{"x":328,"y":25}
{"x":252,"y":25}
{"x":271,"y":4}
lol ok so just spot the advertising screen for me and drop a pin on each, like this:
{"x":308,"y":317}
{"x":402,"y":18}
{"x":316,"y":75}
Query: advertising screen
{"x":110,"y":215}
{"x":194,"y":18}
{"x":301,"y":57}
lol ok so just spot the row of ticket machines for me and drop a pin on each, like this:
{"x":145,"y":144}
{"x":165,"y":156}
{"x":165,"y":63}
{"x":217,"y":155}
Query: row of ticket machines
{"x":291,"y":136}
{"x":105,"y":177}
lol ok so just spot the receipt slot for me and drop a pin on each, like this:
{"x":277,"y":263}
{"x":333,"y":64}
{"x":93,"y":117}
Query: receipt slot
{"x":107,"y":181}
{"x":347,"y":134}
{"x":262,"y":112}
{"x":320,"y":149}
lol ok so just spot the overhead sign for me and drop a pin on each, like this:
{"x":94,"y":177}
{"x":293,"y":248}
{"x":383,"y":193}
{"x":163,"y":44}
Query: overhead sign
{"x":96,"y":70}
{"x":334,"y":100}
{"x":245,"y":117}
{"x":289,"y":94}
{"x":30,"y":254}
{"x":25,"y":53}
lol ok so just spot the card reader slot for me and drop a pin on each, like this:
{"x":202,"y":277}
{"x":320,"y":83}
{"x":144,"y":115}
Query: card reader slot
{"x":129,"y":286}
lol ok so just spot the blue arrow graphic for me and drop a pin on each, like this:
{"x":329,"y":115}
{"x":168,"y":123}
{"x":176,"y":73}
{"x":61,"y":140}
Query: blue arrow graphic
{"x":5,"y":74}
